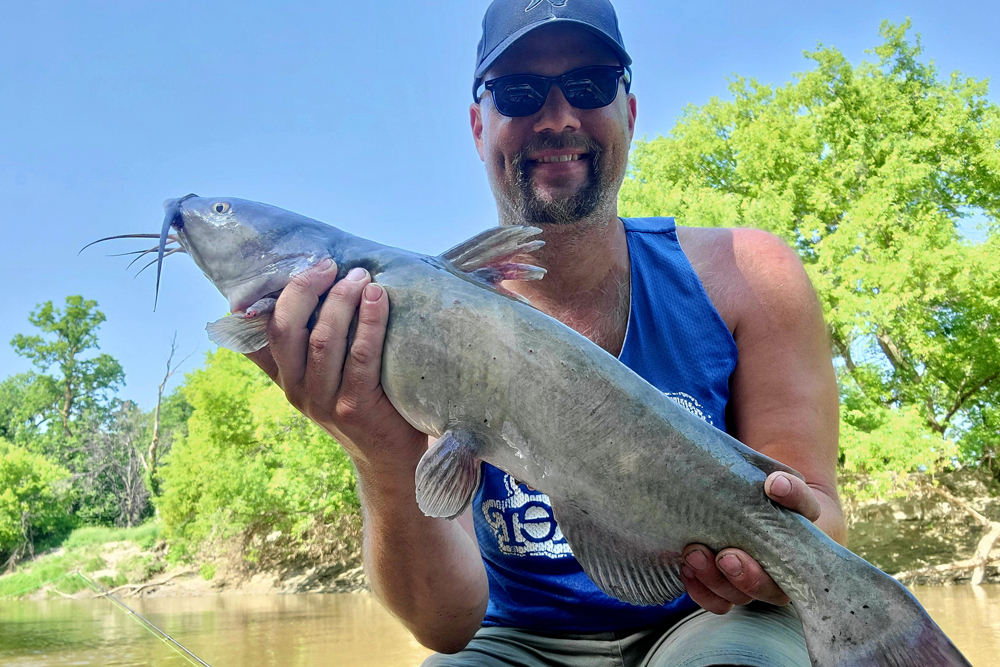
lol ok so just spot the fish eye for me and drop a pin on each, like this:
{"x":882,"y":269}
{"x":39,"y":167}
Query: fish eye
{"x":221,"y":207}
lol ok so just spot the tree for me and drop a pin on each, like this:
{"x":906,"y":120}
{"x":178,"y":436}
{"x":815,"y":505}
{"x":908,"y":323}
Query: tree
{"x":84,"y":384}
{"x":156,"y":444}
{"x":34,"y":500}
{"x":26,"y":402}
{"x":113,"y":475}
{"x":249,"y":464}
{"x":867,"y":172}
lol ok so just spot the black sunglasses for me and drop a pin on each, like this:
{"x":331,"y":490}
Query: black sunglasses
{"x":591,"y":87}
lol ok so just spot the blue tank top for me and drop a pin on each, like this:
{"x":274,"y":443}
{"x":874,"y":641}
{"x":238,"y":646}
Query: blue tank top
{"x":677,"y":341}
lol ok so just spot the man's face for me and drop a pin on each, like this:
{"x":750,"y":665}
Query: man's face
{"x":517,"y":151}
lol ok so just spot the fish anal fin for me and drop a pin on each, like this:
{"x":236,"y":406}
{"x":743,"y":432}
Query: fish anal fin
{"x":621,"y":567}
{"x":243,"y":332}
{"x":448,"y":475}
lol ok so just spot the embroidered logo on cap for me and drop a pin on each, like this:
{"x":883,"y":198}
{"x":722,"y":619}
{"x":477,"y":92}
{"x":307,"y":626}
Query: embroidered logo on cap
{"x":554,"y":3}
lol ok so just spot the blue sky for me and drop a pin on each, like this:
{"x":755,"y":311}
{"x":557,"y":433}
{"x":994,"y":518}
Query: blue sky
{"x":355,"y":113}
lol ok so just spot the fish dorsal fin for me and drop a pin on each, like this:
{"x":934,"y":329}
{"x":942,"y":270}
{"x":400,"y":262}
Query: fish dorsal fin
{"x":622,"y":566}
{"x":448,"y":475}
{"x":765,"y":463}
{"x":492,"y":246}
{"x":486,"y":257}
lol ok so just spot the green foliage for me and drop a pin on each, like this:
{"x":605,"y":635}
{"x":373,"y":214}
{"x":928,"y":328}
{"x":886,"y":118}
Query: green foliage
{"x":85,"y":384}
{"x":82,"y":550}
{"x":207,"y":571}
{"x":33,"y":499}
{"x":866,"y":171}
{"x":113,"y":465}
{"x":145,"y":536}
{"x":249,"y":462}
{"x":26,"y":407}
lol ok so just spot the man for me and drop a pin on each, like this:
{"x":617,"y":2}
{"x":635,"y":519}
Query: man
{"x":723,"y":321}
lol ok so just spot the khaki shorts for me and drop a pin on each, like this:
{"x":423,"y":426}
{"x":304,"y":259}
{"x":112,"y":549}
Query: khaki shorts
{"x":757,"y":635}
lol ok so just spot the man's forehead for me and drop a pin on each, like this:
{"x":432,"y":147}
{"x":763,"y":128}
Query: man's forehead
{"x":551,"y":50}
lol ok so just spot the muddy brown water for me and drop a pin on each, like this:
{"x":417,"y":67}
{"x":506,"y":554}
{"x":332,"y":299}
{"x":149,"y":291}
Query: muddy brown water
{"x":309,"y":630}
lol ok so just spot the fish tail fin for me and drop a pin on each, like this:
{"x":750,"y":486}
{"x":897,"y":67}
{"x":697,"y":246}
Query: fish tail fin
{"x":240,"y":333}
{"x":488,"y":257}
{"x":855,"y":615}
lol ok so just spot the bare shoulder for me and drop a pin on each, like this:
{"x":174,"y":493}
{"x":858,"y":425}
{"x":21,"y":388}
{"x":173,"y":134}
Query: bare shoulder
{"x":752,"y":276}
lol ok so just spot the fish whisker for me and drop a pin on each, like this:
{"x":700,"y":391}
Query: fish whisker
{"x":165,"y":255}
{"x":132,"y":252}
{"x":142,"y":253}
{"x":172,"y":237}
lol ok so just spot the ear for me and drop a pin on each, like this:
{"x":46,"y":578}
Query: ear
{"x":476,"y":121}
{"x":632,"y":108}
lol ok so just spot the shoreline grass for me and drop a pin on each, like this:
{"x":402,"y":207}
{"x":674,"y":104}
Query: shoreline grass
{"x":81,"y":550}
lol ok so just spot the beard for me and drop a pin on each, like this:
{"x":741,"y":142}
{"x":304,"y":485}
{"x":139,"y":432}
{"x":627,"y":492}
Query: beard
{"x":530,"y":207}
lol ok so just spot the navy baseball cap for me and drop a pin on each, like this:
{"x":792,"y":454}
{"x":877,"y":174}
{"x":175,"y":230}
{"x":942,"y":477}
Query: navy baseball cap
{"x":507,"y":21}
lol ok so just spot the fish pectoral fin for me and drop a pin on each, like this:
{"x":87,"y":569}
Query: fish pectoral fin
{"x":621,"y":567}
{"x":765,"y":463}
{"x":488,"y":256}
{"x":243,"y":332}
{"x":448,"y":475}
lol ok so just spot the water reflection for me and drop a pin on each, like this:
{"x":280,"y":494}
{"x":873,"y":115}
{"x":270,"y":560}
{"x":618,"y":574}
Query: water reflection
{"x":309,"y":630}
{"x":228,"y":631}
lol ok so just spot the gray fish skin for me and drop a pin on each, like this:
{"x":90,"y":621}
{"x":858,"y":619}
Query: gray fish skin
{"x":632,"y":477}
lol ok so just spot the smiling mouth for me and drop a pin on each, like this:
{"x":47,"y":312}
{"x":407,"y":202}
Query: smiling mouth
{"x":559,"y":158}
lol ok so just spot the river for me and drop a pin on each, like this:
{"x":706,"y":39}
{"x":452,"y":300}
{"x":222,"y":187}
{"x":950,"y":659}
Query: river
{"x":310,"y":630}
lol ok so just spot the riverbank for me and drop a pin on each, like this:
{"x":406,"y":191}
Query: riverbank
{"x":925,"y":534}
{"x":136,"y":562}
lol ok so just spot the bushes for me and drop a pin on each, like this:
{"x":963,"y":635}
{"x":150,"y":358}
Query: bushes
{"x":34,"y":499}
{"x":249,"y":460}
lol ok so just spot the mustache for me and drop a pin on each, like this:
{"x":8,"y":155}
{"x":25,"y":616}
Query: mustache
{"x":563,"y":141}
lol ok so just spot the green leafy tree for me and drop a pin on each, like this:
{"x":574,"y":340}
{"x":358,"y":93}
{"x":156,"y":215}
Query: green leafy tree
{"x":85,"y":383}
{"x":868,"y":172}
{"x":26,"y":402}
{"x":34,"y":500}
{"x":249,"y":464}
{"x":113,"y":471}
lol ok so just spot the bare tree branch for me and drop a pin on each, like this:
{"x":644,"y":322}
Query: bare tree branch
{"x":964,"y":396}
{"x":981,"y":557}
{"x":149,"y":462}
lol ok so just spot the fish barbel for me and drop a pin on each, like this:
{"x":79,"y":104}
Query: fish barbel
{"x":632,"y":477}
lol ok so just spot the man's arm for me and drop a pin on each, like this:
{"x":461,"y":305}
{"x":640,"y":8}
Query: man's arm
{"x":783,"y":401}
{"x":428,"y":572}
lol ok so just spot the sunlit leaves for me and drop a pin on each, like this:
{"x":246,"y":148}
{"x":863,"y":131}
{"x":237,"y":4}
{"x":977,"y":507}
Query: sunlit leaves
{"x":867,"y":170}
{"x":249,"y":459}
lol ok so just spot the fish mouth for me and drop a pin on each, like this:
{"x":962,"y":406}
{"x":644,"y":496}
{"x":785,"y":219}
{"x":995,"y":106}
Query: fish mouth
{"x":172,"y":219}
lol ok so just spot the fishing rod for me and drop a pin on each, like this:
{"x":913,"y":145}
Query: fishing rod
{"x":145,"y":622}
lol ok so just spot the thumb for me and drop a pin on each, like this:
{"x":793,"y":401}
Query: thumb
{"x":791,"y":492}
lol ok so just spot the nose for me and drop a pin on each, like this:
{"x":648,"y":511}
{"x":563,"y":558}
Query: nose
{"x":557,"y":114}
{"x":169,"y":204}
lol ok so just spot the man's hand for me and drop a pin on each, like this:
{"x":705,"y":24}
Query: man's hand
{"x":732,"y":577}
{"x":338,"y":388}
{"x":427,"y":571}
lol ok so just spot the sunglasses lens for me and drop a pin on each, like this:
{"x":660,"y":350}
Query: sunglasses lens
{"x":519,"y":95}
{"x":584,"y":88}
{"x":591,"y":87}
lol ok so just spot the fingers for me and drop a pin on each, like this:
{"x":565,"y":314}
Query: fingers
{"x":702,"y":595}
{"x":730,"y":578}
{"x":748,"y":577}
{"x":328,"y":340}
{"x":265,"y":361}
{"x":363,"y":366}
{"x":791,"y":492}
{"x":702,"y":564}
{"x":288,"y":332}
